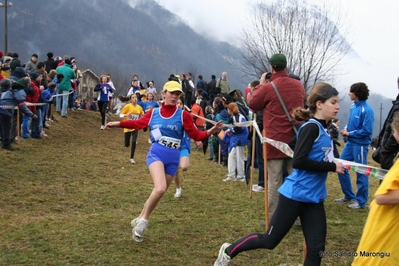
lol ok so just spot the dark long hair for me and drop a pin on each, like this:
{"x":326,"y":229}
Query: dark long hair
{"x":320,"y":92}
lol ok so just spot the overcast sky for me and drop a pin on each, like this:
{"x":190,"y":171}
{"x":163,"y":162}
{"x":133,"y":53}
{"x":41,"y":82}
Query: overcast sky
{"x":374,"y":26}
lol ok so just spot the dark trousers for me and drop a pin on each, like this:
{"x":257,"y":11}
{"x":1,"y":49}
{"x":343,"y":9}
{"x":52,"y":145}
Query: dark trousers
{"x":44,"y":112}
{"x":36,"y":128}
{"x":259,"y":157}
{"x":223,"y":151}
{"x":70,"y":100}
{"x":5,"y":122}
{"x":188,"y":99}
{"x":211,"y":98}
{"x":336,"y":153}
{"x":134,"y":135}
{"x":102,"y":107}
{"x":314,"y":227}
{"x":51,"y":108}
{"x":213,"y":141}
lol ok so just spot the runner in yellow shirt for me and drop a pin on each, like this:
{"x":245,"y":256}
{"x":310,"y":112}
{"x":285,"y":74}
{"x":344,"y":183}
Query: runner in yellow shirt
{"x":131,"y":111}
{"x":379,"y":244}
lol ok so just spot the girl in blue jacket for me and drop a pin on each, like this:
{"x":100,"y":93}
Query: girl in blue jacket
{"x":237,"y":139}
{"x":104,"y":93}
{"x":303,"y":192}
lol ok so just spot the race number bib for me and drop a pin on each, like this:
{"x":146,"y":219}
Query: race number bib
{"x":133,"y":117}
{"x":169,"y":142}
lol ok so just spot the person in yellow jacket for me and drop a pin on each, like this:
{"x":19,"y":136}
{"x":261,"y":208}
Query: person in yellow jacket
{"x":379,"y":244}
{"x":131,"y":111}
{"x":143,"y":93}
{"x":5,"y":69}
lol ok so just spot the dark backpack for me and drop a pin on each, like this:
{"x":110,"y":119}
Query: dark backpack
{"x":243,"y":110}
{"x":387,"y":147}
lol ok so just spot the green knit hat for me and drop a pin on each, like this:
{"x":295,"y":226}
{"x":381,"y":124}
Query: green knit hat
{"x":23,"y":81}
{"x":278,"y":59}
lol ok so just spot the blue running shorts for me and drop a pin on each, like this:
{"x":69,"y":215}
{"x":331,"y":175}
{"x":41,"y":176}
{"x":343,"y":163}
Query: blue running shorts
{"x":169,"y":157}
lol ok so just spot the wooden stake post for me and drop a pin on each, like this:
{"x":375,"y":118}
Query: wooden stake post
{"x":264,"y":148}
{"x":219,"y":153}
{"x":252,"y":158}
{"x":18,"y":127}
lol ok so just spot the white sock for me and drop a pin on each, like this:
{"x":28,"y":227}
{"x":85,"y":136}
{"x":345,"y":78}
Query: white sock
{"x":143,"y":220}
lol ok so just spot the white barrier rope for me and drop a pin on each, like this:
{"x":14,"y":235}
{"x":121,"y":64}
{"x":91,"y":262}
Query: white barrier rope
{"x":34,"y":104}
{"x":284,"y":148}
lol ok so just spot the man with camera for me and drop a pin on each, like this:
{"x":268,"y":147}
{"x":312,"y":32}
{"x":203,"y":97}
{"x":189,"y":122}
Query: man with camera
{"x":275,"y":121}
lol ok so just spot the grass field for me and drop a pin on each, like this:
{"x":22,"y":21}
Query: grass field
{"x":68,"y":200}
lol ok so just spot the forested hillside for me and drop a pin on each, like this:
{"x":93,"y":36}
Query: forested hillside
{"x":111,"y":36}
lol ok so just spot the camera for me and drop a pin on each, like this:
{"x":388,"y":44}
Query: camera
{"x":268,"y":75}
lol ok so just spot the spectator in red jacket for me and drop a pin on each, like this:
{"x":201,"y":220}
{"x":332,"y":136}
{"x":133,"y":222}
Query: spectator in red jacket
{"x":36,"y":125}
{"x":275,"y":121}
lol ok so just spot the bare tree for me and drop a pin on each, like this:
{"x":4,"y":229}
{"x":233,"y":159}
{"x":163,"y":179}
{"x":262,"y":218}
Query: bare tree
{"x":313,"y":39}
{"x":121,"y":81}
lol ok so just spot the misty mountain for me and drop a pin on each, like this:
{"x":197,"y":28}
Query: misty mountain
{"x":113,"y":37}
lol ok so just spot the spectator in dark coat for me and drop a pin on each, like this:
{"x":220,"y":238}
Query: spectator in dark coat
{"x":50,"y":62}
{"x":333,"y":129}
{"x":186,"y":89}
{"x":15,"y":63}
{"x":205,"y":101}
{"x":201,"y":84}
{"x":93,"y":105}
{"x":31,"y":65}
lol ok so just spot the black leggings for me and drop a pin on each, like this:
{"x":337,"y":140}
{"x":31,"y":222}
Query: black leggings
{"x":5,"y":127}
{"x":102,"y":107}
{"x":134,"y":134}
{"x":314,"y":227}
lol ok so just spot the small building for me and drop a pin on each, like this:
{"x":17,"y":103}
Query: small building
{"x":86,"y":86}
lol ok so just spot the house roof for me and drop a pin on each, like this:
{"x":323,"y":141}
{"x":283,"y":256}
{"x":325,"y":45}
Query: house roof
{"x":89,"y":70}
